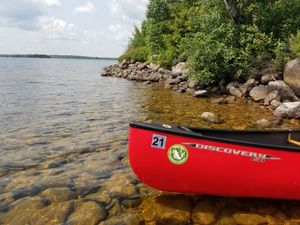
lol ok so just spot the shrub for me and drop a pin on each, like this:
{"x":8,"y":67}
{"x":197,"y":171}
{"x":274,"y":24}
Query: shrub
{"x":295,"y":44}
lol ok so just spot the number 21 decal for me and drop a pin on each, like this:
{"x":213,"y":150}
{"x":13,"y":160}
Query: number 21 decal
{"x":158,"y":141}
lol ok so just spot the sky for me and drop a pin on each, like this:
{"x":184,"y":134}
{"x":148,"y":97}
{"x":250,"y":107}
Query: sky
{"x":72,"y":27}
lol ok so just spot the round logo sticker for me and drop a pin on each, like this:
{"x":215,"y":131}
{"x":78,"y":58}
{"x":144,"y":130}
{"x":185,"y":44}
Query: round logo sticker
{"x":178,"y":154}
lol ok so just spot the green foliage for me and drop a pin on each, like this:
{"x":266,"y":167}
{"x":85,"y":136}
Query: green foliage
{"x":217,"y":46}
{"x":295,"y":44}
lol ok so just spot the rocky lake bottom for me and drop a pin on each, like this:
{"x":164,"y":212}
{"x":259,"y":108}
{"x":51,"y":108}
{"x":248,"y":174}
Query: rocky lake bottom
{"x":63,"y":156}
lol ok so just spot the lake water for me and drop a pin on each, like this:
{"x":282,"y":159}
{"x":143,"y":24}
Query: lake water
{"x":63,"y":128}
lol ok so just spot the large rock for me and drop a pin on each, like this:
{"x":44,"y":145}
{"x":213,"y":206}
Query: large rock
{"x":291,"y":75}
{"x":180,"y":68}
{"x":21,"y":212}
{"x":246,"y":87}
{"x":154,"y":67}
{"x":286,"y":93}
{"x":58,"y":194}
{"x":172,"y":81}
{"x":259,"y":93}
{"x":235,"y":92}
{"x":232,"y":84}
{"x":273,"y":95}
{"x":274,"y":104}
{"x":288,"y":109}
{"x":192,"y":84}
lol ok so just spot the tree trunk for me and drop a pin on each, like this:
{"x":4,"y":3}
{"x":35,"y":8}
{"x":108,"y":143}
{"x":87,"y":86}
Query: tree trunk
{"x":231,"y":7}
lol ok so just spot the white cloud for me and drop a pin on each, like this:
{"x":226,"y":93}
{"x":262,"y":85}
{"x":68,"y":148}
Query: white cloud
{"x":129,"y":10}
{"x":51,"y":24}
{"x":120,"y":32}
{"x":130,"y":13}
{"x":24,"y":13}
{"x":87,"y":8}
{"x":57,"y":29}
{"x":50,"y":3}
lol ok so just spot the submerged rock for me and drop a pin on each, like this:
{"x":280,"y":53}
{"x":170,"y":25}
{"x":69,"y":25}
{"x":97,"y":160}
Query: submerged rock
{"x":263,"y":123}
{"x":211,"y":117}
{"x":89,"y":213}
{"x":120,"y":185}
{"x":203,"y":213}
{"x":58,"y":194}
{"x":220,"y":101}
{"x":167,"y":209}
{"x":130,"y":219}
{"x":230,"y":99}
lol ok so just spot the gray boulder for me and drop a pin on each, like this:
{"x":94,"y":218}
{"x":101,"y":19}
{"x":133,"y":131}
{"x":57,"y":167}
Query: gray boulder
{"x":288,"y":109}
{"x":193,"y":84}
{"x":180,"y":68}
{"x":291,"y":75}
{"x":273,"y":95}
{"x":173,"y":81}
{"x":274,"y":104}
{"x":232,"y":84}
{"x":154,"y":77}
{"x":246,"y":87}
{"x":286,"y":93}
{"x":154,"y":67}
{"x":259,"y":93}
{"x":235,"y":92}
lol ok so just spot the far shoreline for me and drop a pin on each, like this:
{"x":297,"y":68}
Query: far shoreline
{"x":44,"y":56}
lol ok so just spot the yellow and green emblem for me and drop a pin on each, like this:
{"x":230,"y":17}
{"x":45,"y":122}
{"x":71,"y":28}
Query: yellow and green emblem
{"x":178,"y":154}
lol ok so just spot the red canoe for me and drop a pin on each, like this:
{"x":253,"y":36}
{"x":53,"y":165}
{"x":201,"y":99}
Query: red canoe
{"x":263,"y":164}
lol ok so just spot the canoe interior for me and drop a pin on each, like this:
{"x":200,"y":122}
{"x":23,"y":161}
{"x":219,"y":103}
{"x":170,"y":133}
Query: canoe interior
{"x":276,"y":139}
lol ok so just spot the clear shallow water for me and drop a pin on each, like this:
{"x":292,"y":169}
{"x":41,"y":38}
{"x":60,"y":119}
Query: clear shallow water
{"x":63,"y":125}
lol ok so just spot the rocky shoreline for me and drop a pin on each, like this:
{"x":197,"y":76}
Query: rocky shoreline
{"x":277,"y":91}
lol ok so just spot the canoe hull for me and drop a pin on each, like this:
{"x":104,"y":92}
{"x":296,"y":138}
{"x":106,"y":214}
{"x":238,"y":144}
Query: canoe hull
{"x":176,"y":163}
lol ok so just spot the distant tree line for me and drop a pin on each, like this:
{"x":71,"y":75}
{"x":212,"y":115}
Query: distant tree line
{"x":220,"y":39}
{"x":54,"y":56}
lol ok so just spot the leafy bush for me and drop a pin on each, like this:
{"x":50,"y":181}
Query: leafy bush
{"x":215,"y":43}
{"x":139,"y":54}
{"x":295,"y":44}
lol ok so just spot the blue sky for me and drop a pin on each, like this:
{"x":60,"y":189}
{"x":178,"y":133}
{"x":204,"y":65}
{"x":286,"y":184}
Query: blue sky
{"x":77,"y":27}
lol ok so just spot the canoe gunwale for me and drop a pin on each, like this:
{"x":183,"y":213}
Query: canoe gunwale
{"x":183,"y":131}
